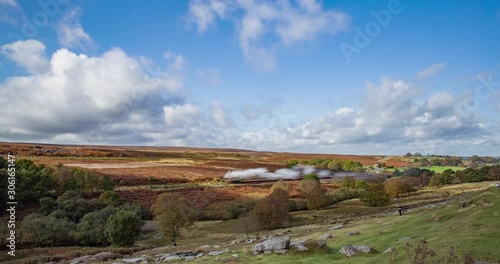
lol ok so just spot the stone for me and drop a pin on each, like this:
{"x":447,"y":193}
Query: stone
{"x":189,"y":258}
{"x":173,"y":257}
{"x":200,"y":255}
{"x":216,"y":246}
{"x":267,"y":252}
{"x":353,"y":233}
{"x":321,"y":243}
{"x":337,"y":227}
{"x":389,"y":250}
{"x":280,"y":251}
{"x":134,"y":260}
{"x":216,"y":253}
{"x":348,"y":250}
{"x":364,"y":249}
{"x":235,"y":255}
{"x":184,"y":254}
{"x":105,"y":256}
{"x":404,"y":238}
{"x":296,"y":243}
{"x":302,"y":248}
{"x":326,"y":236}
{"x":272,"y":244}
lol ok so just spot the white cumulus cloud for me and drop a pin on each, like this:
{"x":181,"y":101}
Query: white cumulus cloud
{"x":70,"y":31}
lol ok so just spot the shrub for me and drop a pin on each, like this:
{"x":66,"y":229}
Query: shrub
{"x":342,"y":194}
{"x":123,"y":228}
{"x":436,"y":180}
{"x":310,"y":176}
{"x":316,"y":197}
{"x":272,"y":211}
{"x":47,"y":205}
{"x":361,"y":184}
{"x":90,"y":230}
{"x":107,"y":183}
{"x":109,"y":197}
{"x":76,"y":207}
{"x":395,"y":186}
{"x":375,"y":195}
{"x":47,"y":231}
{"x":348,"y":182}
{"x":282,"y":185}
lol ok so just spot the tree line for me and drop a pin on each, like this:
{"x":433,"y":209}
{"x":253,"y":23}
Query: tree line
{"x":327,"y":163}
{"x":64,"y":216}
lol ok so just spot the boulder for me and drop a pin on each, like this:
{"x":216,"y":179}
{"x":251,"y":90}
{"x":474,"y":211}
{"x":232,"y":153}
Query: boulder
{"x":272,"y":244}
{"x":296,"y":243}
{"x":133,"y":260}
{"x":389,"y":250}
{"x":183,"y":254}
{"x":200,"y":255}
{"x":348,"y":250}
{"x":326,"y":236}
{"x":169,"y":258}
{"x":280,"y":251}
{"x":235,"y":255}
{"x":364,"y":249}
{"x":353,"y":233}
{"x":218,"y":253}
{"x":302,"y":248}
{"x":189,"y":258}
{"x":337,"y":227}
{"x":321,"y":243}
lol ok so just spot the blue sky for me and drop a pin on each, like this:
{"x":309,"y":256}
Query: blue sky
{"x":361,"y":77}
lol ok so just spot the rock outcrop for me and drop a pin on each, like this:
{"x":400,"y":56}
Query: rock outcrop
{"x":278,"y":243}
{"x":350,"y":250}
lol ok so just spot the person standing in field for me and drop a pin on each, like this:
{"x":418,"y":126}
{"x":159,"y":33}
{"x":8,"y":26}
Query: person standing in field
{"x":400,"y":210}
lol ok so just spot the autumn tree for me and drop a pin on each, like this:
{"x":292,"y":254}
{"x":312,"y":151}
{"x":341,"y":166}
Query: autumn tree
{"x":375,"y":195}
{"x":172,"y":213}
{"x":248,"y":223}
{"x":272,"y":211}
{"x":395,"y":186}
{"x":436,"y":180}
{"x":316,"y":197}
{"x":494,"y":173}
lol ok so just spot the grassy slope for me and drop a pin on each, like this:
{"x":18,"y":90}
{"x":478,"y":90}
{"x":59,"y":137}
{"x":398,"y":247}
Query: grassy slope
{"x":475,"y":229}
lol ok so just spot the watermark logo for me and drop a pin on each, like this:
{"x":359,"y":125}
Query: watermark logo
{"x":11,"y":205}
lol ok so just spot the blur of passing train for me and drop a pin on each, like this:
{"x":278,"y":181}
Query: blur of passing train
{"x":296,"y":173}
